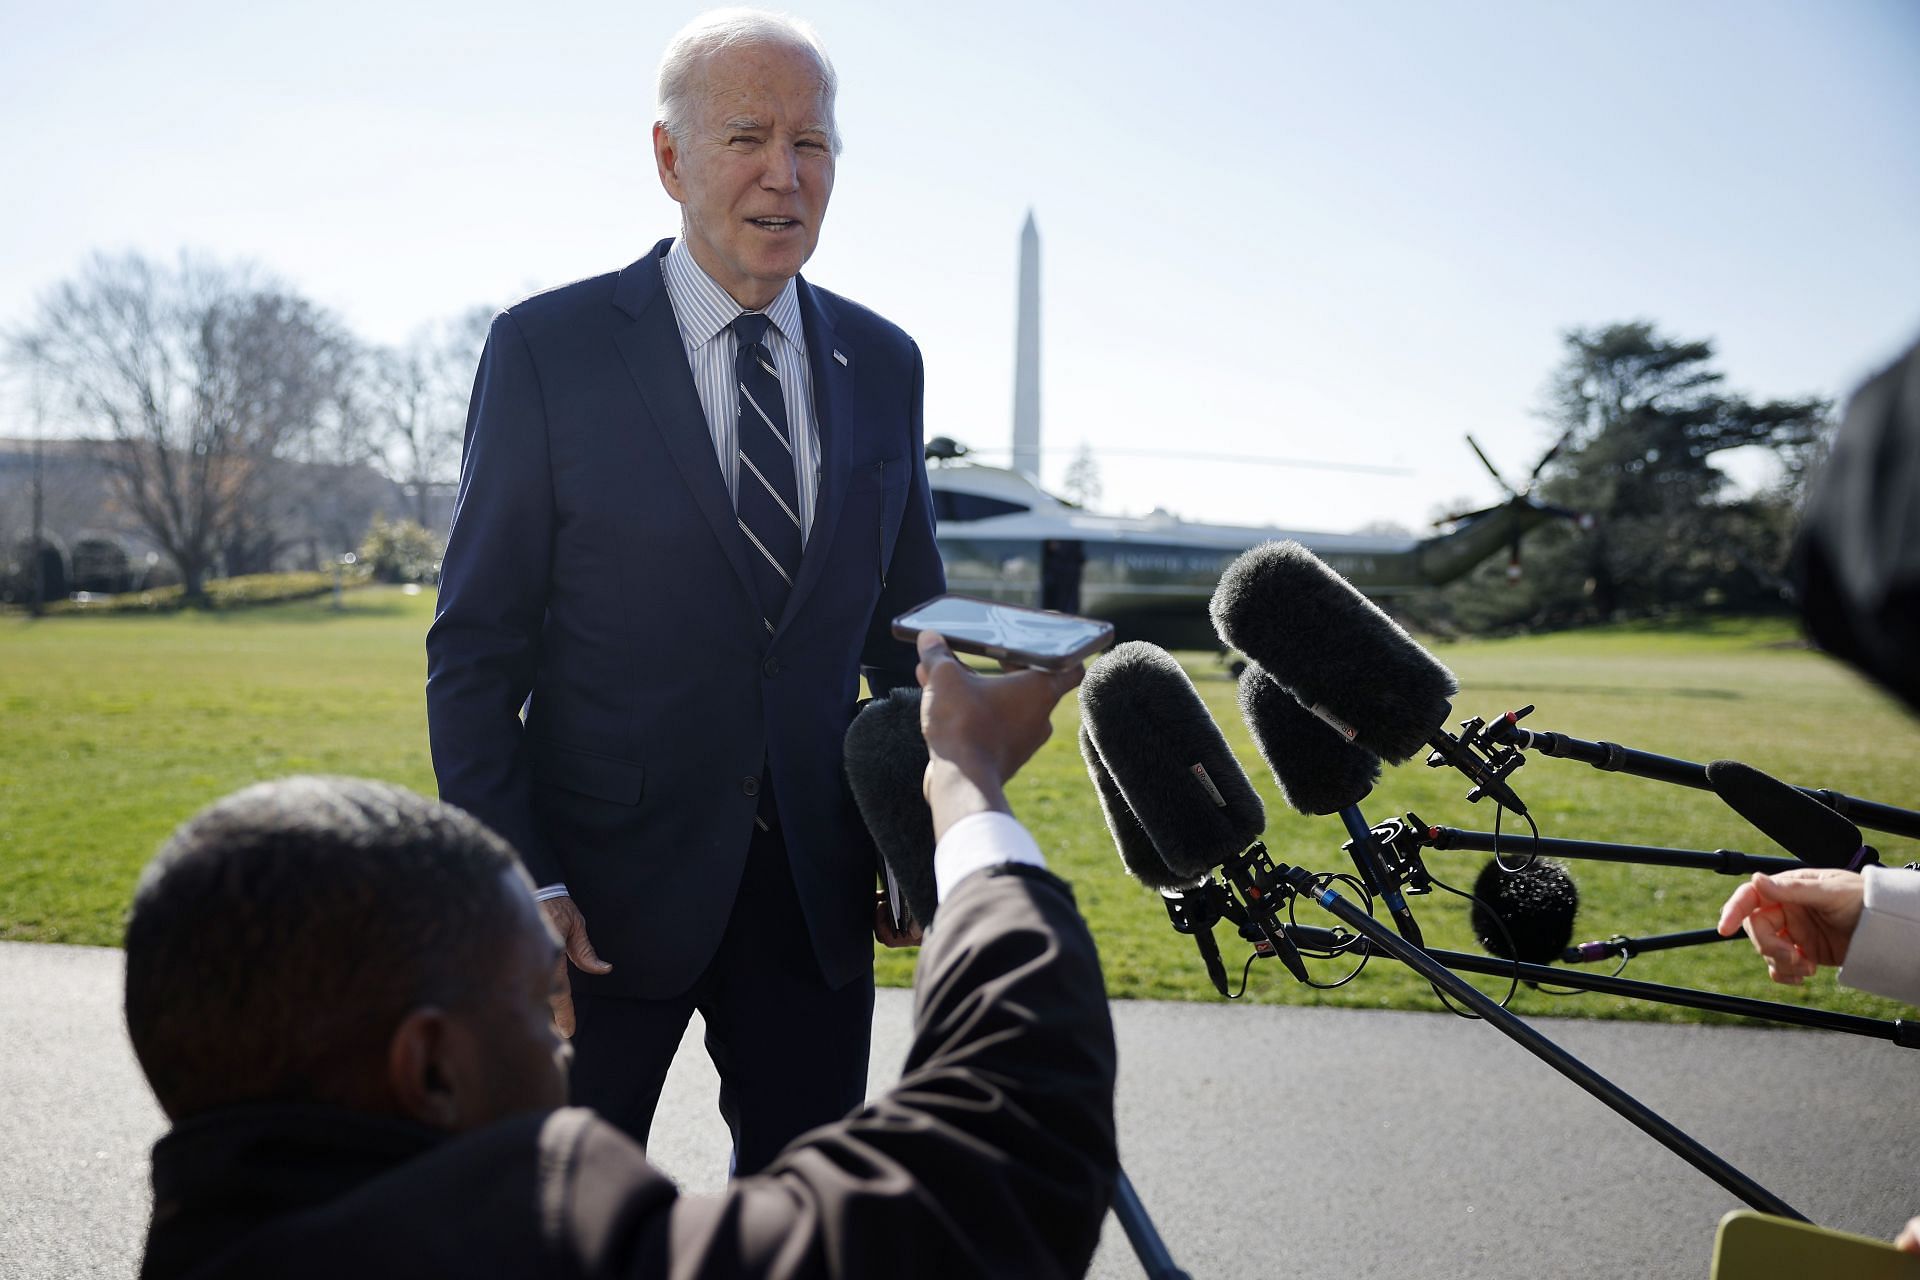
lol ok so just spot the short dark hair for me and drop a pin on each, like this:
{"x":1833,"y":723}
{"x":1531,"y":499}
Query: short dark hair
{"x":281,"y":934}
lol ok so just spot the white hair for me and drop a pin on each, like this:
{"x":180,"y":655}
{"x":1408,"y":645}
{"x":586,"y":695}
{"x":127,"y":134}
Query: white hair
{"x":718,"y":29}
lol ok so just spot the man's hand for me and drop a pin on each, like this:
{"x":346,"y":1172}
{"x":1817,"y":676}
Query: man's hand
{"x":1909,"y":1237}
{"x":1798,"y":920}
{"x":884,"y":930}
{"x":571,"y":927}
{"x":979,"y":729}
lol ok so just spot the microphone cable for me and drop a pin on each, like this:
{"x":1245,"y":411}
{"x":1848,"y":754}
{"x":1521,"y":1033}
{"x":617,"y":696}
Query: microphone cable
{"x":1499,"y":810}
{"x":1513,"y":948}
{"x":1352,"y":945}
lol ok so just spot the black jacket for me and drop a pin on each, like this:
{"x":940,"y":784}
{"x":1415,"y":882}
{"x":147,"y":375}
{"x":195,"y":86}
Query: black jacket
{"x":993,"y":1156}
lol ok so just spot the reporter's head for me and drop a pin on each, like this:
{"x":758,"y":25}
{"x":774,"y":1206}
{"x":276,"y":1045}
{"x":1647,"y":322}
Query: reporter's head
{"x":337,"y":941}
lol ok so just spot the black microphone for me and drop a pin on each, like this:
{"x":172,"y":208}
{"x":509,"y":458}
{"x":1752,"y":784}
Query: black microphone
{"x":1321,"y":772}
{"x":1137,"y":854}
{"x":1194,"y":911}
{"x":1189,"y":909}
{"x":1155,"y":740}
{"x":1791,"y":819}
{"x":1167,"y":759}
{"x":886,"y":763}
{"x":1537,"y":903}
{"x":1345,"y":660}
{"x":1627,"y":948}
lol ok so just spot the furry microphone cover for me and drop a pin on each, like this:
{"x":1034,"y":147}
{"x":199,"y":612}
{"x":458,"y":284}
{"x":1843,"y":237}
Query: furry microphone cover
{"x":1137,"y":854}
{"x":1319,"y":771}
{"x":1537,"y":904}
{"x":1168,"y":759}
{"x":886,"y":759}
{"x":1338,"y":653}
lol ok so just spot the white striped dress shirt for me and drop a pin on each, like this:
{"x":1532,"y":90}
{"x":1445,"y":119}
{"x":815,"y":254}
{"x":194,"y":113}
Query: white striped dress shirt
{"x":705,"y":314}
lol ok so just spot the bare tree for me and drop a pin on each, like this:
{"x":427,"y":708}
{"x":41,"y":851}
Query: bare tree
{"x":200,"y":376}
{"x":420,"y":404}
{"x":1082,"y":481}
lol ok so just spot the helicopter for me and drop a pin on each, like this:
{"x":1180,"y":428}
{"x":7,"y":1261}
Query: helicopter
{"x":1005,"y":538}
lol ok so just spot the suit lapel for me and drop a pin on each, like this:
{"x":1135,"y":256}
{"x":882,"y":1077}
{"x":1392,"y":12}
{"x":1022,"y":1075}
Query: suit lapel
{"x":832,"y":367}
{"x":657,"y":359}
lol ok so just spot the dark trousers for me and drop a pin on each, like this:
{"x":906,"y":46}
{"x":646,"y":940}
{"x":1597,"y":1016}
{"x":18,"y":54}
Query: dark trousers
{"x":791,"y":1052}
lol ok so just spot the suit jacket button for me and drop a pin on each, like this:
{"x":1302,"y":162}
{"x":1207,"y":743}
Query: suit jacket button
{"x":750,"y":785}
{"x":771,"y":667}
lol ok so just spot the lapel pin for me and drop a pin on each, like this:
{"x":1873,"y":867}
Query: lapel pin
{"x":837,"y":356}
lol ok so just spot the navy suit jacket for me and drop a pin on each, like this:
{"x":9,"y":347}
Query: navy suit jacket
{"x":595,"y":574}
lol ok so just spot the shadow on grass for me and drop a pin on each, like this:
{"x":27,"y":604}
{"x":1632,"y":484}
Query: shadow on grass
{"x":386,"y":605}
{"x":1608,"y":690}
{"x":369,"y":601}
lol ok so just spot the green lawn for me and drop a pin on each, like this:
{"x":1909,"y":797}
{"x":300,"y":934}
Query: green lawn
{"x":114,"y":729}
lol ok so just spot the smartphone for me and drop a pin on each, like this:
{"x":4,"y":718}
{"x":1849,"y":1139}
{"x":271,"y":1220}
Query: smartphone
{"x":1010,"y":632}
{"x":1755,"y":1244}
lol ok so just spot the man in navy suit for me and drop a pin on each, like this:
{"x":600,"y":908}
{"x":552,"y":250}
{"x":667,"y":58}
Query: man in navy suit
{"x":693,"y":497}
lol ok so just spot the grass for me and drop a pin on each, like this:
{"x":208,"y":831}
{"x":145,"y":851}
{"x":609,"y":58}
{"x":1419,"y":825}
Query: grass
{"x":116,"y":728}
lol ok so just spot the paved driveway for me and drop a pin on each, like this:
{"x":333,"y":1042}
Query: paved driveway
{"x":1264,"y":1141}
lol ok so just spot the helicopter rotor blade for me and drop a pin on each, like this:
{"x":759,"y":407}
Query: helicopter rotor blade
{"x":1459,"y":516}
{"x":1491,"y":469}
{"x":1547,"y":457}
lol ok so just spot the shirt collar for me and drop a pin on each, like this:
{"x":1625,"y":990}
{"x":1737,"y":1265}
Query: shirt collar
{"x":702,"y":308}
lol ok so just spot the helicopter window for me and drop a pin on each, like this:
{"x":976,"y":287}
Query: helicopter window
{"x":948,"y":505}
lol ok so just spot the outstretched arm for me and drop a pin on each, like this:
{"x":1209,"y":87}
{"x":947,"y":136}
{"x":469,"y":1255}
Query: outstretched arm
{"x":994,"y":1155}
{"x":1813,"y":916}
{"x":1798,"y":920}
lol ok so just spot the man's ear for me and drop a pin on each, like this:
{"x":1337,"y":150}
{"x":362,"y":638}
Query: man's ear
{"x":424,"y":1072}
{"x":666,"y":158}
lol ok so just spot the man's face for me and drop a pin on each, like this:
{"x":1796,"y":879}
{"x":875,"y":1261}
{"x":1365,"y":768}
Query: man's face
{"x":521,"y":1063}
{"x":754,"y":169}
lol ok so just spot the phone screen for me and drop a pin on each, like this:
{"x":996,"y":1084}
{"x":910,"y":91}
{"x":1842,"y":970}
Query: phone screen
{"x":988,"y":627}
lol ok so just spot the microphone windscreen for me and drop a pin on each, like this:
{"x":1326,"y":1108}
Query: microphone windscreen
{"x":1319,"y":771}
{"x":1537,"y":904}
{"x":886,"y":760}
{"x":1339,"y":654}
{"x":1168,"y":759}
{"x":1796,"y":822}
{"x":1137,"y":853}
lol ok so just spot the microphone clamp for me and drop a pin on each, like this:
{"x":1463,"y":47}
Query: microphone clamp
{"x":1485,"y":754}
{"x":1194,"y":911}
{"x":1398,"y":842}
{"x":1264,"y":894}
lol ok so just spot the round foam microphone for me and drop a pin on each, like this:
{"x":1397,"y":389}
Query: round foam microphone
{"x":886,"y":762}
{"x":1137,"y":853}
{"x":1345,"y":660}
{"x":1795,"y":821}
{"x":1536,"y":903}
{"x":1168,"y":761}
{"x":1319,"y":771}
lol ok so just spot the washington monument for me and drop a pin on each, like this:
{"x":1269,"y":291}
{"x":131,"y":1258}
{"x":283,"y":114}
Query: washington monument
{"x":1026,"y":361}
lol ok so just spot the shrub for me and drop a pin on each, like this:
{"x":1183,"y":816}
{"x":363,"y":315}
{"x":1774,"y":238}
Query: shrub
{"x":221,"y":593}
{"x":400,"y":551}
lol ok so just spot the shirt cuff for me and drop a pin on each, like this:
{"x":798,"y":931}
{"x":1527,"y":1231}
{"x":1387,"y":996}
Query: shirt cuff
{"x":547,"y":891}
{"x":979,"y":841}
{"x":1884,"y":956}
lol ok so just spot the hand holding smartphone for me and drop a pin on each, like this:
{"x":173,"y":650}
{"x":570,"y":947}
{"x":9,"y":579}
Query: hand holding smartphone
{"x":1012,"y":633}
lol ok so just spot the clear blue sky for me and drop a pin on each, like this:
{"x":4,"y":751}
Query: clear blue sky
{"x":1329,"y":231}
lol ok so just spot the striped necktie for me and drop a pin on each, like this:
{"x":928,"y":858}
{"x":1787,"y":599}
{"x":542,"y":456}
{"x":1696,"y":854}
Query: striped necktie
{"x":768,"y":503}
